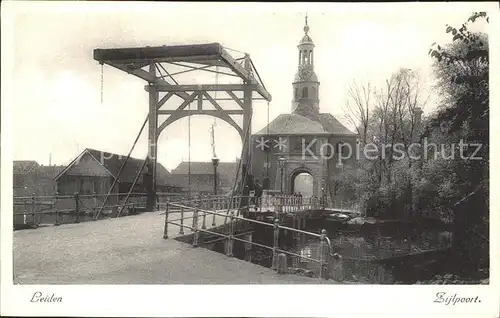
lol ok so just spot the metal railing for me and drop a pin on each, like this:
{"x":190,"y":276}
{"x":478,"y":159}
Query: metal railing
{"x":278,"y":203}
{"x":194,"y":212}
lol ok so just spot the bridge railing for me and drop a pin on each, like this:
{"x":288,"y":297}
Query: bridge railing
{"x":276,"y":203}
{"x":194,"y":217}
{"x":34,"y":211}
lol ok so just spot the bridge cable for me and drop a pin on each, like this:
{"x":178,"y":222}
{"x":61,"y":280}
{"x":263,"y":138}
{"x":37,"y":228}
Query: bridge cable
{"x":102,"y":82}
{"x":245,"y":140}
{"x":121,"y":168}
{"x":235,"y":184}
{"x":268,"y":150}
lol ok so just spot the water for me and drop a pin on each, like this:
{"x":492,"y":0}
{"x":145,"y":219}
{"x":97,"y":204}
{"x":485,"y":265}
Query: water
{"x":364,"y":251}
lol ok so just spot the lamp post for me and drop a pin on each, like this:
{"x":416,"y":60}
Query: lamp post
{"x":281,"y":161}
{"x":215,"y":162}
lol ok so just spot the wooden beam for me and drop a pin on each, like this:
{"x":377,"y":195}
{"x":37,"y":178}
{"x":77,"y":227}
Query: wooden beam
{"x":218,"y":114}
{"x":153,"y":54}
{"x":199,"y":112}
{"x":213,"y":102}
{"x":200,"y":101}
{"x":147,"y":77}
{"x":188,"y":101}
{"x":202,"y":87}
{"x":205,"y":63}
{"x":236,"y":99}
{"x":164,"y":99}
{"x":244,"y":74}
{"x":223,"y":113}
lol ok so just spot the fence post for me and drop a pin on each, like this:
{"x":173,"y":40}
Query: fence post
{"x":195,"y":205}
{"x":33,"y":209}
{"x":322,"y":261}
{"x":94,"y":199}
{"x":77,"y":207}
{"x":165,"y":230}
{"x":229,"y":251}
{"x":204,"y":216}
{"x":56,"y":198}
{"x":181,"y":230}
{"x":275,"y":244}
{"x":215,"y":210}
{"x":195,"y":226}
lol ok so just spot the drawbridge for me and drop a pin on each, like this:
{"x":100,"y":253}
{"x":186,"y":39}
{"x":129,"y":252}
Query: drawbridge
{"x":151,"y":64}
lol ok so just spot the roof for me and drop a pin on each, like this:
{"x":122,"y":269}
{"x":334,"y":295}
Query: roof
{"x":295,"y":124}
{"x":113,"y":162}
{"x":24,"y":166}
{"x":30,"y":166}
{"x":292,"y":124}
{"x":306,"y":39}
{"x":332,"y":125}
{"x":224,"y":169}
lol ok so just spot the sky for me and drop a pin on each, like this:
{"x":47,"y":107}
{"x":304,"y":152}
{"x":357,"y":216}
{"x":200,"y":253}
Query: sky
{"x":57,"y":110}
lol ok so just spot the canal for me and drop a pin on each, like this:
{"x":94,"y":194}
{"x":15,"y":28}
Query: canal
{"x":372,"y":253}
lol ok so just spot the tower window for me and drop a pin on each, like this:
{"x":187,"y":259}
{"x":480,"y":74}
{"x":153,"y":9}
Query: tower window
{"x":304,"y":92}
{"x":296,"y":93}
{"x":313,"y":93}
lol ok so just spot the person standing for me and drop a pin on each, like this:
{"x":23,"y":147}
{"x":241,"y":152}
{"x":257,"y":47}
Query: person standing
{"x":258,"y":194}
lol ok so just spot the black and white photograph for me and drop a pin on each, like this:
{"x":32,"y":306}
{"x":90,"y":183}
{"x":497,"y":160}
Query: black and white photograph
{"x":296,"y":155}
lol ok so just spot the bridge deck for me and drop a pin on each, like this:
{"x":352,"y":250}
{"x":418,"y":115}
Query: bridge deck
{"x":129,"y":250}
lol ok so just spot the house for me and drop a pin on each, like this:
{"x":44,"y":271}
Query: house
{"x":199,"y":176}
{"x":94,"y":171}
{"x":30,"y":178}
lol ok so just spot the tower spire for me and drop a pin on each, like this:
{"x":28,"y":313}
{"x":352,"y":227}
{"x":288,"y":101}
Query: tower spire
{"x":306,"y":84}
{"x":306,"y":27}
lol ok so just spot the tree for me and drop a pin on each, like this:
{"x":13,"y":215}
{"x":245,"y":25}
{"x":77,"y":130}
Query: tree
{"x":386,"y":118}
{"x":357,"y":108}
{"x":462,"y":70}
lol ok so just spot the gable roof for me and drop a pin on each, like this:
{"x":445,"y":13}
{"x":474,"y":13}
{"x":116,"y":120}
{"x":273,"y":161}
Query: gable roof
{"x":113,"y":162}
{"x":295,"y":124}
{"x":292,"y":124}
{"x":333,"y":125}
{"x":224,"y":169}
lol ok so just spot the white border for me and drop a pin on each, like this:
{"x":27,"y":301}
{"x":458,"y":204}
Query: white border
{"x":241,"y":300}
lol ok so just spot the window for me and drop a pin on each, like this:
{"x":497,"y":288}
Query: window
{"x":313,"y":93}
{"x":304,"y":92}
{"x":296,"y":93}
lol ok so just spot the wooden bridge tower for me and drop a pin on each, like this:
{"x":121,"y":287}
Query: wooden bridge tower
{"x":151,"y":63}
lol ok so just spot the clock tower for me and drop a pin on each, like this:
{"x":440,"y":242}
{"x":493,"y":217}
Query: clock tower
{"x":306,"y":86}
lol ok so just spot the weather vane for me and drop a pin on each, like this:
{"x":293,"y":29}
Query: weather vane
{"x":306,"y":27}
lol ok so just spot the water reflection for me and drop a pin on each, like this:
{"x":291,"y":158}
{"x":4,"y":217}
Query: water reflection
{"x":361,"y":255}
{"x":364,"y":253}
